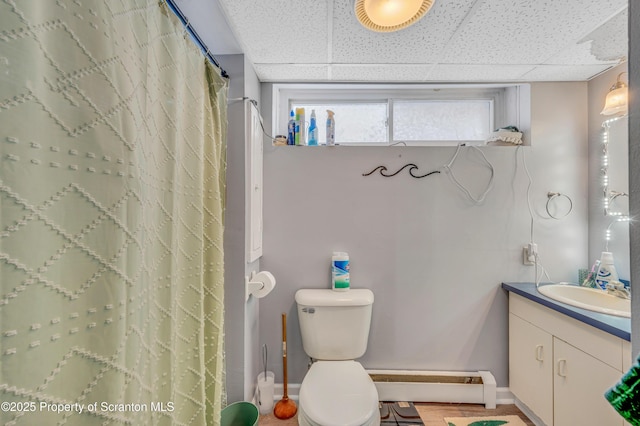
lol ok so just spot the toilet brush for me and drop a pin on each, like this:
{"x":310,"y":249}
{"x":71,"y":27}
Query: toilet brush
{"x":285,"y":408}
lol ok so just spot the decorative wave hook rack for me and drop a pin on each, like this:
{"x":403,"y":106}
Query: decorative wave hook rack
{"x":412,"y":168}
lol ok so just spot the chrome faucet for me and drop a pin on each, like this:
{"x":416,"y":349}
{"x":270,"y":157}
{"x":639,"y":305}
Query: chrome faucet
{"x":618,"y":289}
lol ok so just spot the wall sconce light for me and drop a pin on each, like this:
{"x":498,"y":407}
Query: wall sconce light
{"x":616,"y":100}
{"x":385,"y":16}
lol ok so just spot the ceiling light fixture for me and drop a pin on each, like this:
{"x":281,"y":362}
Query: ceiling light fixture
{"x":386,"y":16}
{"x":616,"y":100}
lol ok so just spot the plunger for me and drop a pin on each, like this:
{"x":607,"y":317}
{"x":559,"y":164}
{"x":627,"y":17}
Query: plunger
{"x":285,"y":408}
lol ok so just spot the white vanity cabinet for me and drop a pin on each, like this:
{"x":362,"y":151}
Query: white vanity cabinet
{"x":560,"y":367}
{"x":579,"y":383}
{"x":531,"y":366}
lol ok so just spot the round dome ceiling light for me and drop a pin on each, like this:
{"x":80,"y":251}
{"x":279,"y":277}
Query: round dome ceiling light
{"x":386,"y":16}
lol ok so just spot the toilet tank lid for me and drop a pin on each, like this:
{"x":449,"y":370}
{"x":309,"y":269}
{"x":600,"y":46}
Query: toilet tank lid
{"x":328,"y":297}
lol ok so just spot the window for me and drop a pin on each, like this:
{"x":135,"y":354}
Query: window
{"x":446,"y":121}
{"x":363,"y":122}
{"x":422,"y":115}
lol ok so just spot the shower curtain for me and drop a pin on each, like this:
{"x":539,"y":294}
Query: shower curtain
{"x":112,"y":166}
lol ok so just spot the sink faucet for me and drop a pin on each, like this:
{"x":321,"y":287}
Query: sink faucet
{"x":618,"y":289}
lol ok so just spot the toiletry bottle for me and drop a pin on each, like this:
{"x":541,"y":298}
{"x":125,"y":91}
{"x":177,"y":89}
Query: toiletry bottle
{"x":590,"y":281}
{"x":313,"y":130}
{"x":291,"y":129}
{"x":331,"y":128}
{"x":303,"y":123}
{"x":340,"y":280}
{"x":300,"y":124}
{"x":296,"y":138}
{"x":607,"y":271}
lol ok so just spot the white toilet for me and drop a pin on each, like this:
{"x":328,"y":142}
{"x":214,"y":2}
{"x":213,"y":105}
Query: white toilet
{"x":337,"y":391}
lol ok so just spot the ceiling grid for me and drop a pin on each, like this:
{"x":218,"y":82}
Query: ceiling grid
{"x":456,"y":41}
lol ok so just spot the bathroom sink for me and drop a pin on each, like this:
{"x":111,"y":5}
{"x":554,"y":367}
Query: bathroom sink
{"x":588,"y":298}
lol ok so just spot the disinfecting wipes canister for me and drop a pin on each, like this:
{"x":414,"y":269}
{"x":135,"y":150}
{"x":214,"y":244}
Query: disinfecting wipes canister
{"x":340,"y":271}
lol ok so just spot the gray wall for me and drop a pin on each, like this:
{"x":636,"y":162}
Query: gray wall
{"x":434,"y":261}
{"x":241,"y":318}
{"x":618,"y":173}
{"x":634,"y":160}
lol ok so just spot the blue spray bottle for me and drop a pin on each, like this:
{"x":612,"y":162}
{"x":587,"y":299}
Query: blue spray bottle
{"x":291,"y":129}
{"x":313,"y":130}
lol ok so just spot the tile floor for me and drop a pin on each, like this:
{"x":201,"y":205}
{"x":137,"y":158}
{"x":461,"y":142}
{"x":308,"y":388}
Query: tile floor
{"x":432,"y":414}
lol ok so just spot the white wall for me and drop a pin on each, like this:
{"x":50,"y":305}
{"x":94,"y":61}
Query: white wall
{"x":241,"y":318}
{"x":618,"y":173}
{"x":434,"y":261}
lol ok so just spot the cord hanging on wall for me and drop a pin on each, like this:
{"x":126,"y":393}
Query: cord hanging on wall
{"x":556,"y":195}
{"x":411,"y":166}
{"x":448,"y":168}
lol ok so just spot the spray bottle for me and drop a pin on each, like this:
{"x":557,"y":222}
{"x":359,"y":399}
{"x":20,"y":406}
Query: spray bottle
{"x":331,"y":129}
{"x":313,"y":130}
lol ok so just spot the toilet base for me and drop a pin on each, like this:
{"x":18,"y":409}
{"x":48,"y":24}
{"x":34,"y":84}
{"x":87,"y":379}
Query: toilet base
{"x":303,"y":420}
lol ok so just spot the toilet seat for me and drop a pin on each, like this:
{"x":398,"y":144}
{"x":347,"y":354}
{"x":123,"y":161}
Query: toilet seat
{"x":339,"y":393}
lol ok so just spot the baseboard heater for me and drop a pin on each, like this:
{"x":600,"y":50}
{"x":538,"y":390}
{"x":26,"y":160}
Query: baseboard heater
{"x":475,"y":387}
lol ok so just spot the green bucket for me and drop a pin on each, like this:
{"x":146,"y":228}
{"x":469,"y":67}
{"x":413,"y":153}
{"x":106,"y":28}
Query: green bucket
{"x":239,"y":414}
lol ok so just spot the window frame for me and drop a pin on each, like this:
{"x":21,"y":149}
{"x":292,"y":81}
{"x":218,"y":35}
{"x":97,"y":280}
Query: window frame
{"x":509,"y":103}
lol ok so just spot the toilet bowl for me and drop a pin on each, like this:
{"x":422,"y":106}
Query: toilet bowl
{"x":338,"y":393}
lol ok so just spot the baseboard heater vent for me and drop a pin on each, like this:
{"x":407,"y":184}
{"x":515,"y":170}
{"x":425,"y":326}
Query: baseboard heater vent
{"x":436,"y":386}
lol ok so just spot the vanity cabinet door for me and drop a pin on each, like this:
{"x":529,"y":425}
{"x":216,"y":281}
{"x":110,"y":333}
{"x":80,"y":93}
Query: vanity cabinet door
{"x":580,"y":382}
{"x":531,"y":367}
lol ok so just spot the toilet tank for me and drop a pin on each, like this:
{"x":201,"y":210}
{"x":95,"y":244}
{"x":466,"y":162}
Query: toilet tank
{"x":334,"y":324}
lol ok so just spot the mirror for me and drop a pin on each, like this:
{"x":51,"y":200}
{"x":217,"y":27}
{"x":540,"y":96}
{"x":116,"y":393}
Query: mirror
{"x":615,"y":167}
{"x":615,"y":170}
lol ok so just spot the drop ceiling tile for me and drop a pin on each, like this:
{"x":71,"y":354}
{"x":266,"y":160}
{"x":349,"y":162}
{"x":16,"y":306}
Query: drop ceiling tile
{"x":610,"y":41}
{"x":565,"y":72}
{"x":291,"y":72}
{"x":418,"y":44}
{"x":524,"y":31}
{"x":280,"y":31}
{"x":608,"y":44}
{"x":469,"y":73}
{"x":578,"y":54}
{"x":374,"y":73}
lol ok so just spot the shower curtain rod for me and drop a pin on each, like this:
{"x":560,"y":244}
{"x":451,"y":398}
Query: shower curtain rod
{"x":174,"y":7}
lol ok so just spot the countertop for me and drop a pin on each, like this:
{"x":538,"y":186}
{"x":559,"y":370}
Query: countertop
{"x":618,"y":326}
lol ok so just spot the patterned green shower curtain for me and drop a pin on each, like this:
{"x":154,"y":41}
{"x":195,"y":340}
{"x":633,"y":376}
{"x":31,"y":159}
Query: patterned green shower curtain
{"x":112,"y":167}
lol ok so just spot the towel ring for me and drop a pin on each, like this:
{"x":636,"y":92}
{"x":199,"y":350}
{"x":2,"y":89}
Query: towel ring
{"x":553,"y":195}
